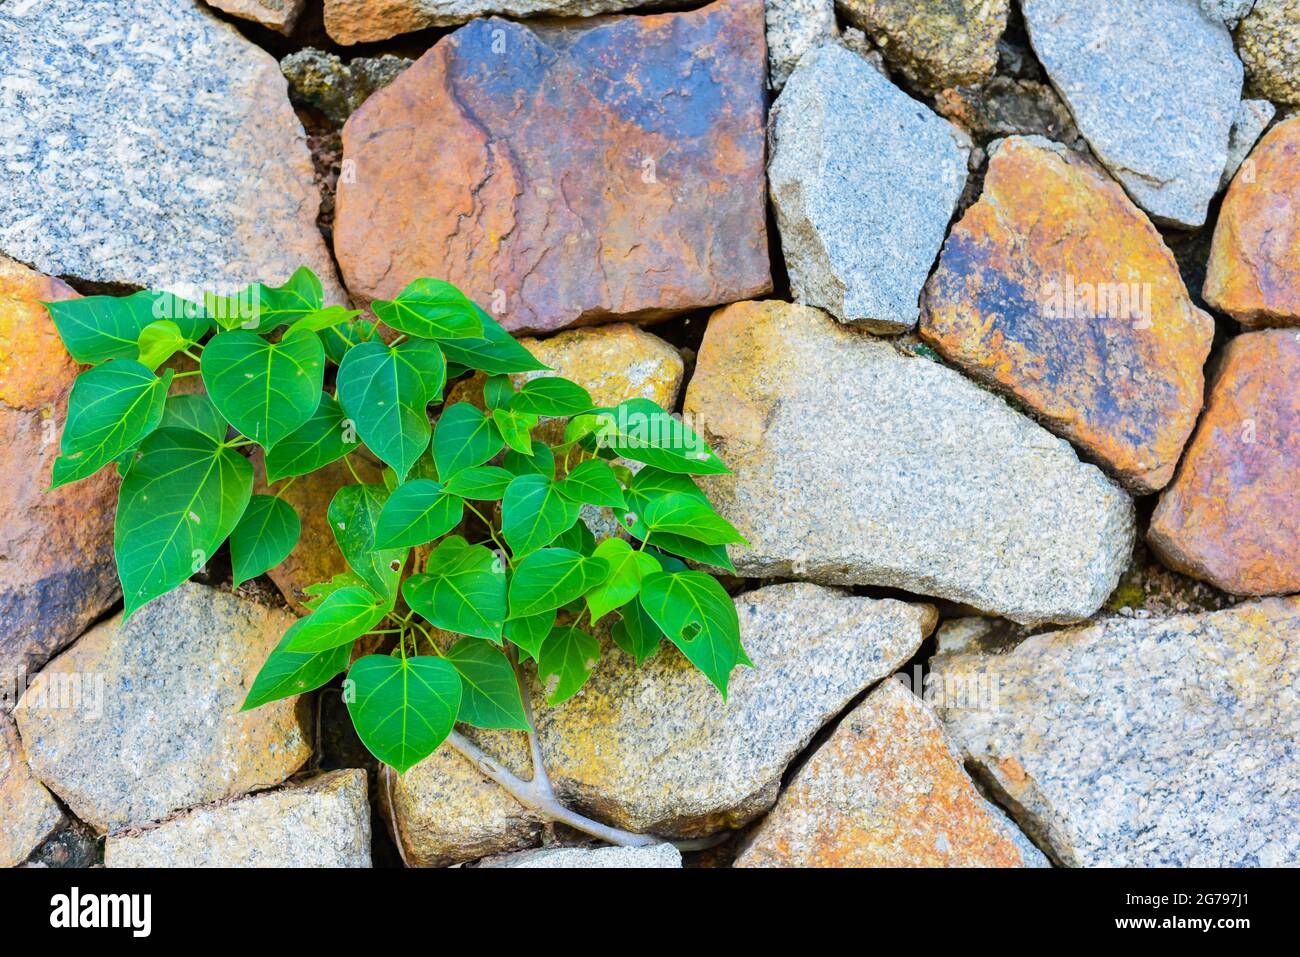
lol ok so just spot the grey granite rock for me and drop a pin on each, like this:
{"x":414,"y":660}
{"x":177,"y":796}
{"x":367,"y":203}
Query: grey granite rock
{"x":1153,"y":87}
{"x":30,"y":813}
{"x":148,"y":143}
{"x":864,"y":180}
{"x":1142,"y":742}
{"x":1268,"y":40}
{"x":323,"y":822}
{"x":142,"y":718}
{"x":887,"y":789}
{"x":279,"y":15}
{"x":856,"y":463}
{"x":1253,"y":117}
{"x":793,"y":28}
{"x":654,"y":749}
{"x":337,"y":89}
{"x":1229,"y":11}
{"x":655,"y":856}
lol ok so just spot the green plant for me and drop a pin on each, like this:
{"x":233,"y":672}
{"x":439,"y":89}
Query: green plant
{"x":428,"y":556}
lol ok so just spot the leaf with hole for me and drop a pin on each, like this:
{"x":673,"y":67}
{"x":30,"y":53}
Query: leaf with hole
{"x":699,"y":617}
{"x":266,"y":390}
{"x":565,"y":662}
{"x":489,"y":688}
{"x":403,"y":708}
{"x":264,"y":537}
{"x":417,"y":512}
{"x":179,"y":502}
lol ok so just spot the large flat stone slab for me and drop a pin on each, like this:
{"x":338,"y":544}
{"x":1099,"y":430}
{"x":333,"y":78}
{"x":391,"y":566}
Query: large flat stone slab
{"x":856,"y":463}
{"x":567,"y":172}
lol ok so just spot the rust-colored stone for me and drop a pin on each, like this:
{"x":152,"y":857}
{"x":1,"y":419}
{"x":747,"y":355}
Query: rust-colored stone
{"x":887,"y":790}
{"x":567,"y":172}
{"x":1254,"y":269}
{"x":56,"y":548}
{"x":1232,"y":515}
{"x":1056,"y":289}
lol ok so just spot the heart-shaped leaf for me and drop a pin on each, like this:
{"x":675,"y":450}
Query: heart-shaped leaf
{"x":636,"y":632}
{"x":495,"y":352}
{"x":431,"y":309}
{"x":515,"y":428}
{"x":386,"y":392}
{"x":196,"y":412}
{"x":623,"y":581}
{"x":489,"y":688}
{"x":550,"y":578}
{"x":462,"y":590}
{"x":527,"y":634}
{"x":534,"y":513}
{"x":96,"y":328}
{"x":288,"y":673}
{"x":343,"y":617}
{"x":353,"y":514}
{"x":159,"y":341}
{"x":418,"y":511}
{"x":324,"y":438}
{"x":264,"y":537}
{"x":551,"y":395}
{"x":182,"y":497}
{"x":567,"y":658}
{"x":592,"y":482}
{"x":110,"y":409}
{"x":465,"y":437}
{"x":640,"y":430}
{"x":482,"y":483}
{"x":539,"y":461}
{"x":266,"y":390}
{"x":403,"y":708}
{"x":699,"y":617}
{"x":689,"y":517}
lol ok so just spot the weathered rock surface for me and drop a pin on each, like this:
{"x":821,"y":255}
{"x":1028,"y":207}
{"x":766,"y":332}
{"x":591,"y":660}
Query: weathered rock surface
{"x":567,"y":172}
{"x":316,"y":557}
{"x":138,"y":719}
{"x":1269,"y":43}
{"x":56,"y":547}
{"x":653,"y":749}
{"x":1145,"y":743}
{"x":361,"y":21}
{"x":322,"y":822}
{"x":614,"y":363}
{"x":1254,"y":269}
{"x":864,"y":180}
{"x":30,"y":813}
{"x":793,"y":28}
{"x":1232,"y":515}
{"x":1154,"y":88}
{"x":322,"y":80}
{"x":141,"y":180}
{"x":934,"y":43}
{"x":1009,"y":106}
{"x":1229,"y":11}
{"x":1253,"y":117}
{"x":279,"y":15}
{"x":887,"y":789}
{"x":1056,"y":289}
{"x":854,"y":463}
{"x":655,"y":856}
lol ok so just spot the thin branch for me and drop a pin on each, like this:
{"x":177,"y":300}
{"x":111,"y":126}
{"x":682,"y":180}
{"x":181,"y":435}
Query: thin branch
{"x":545,"y":806}
{"x":541,"y":780}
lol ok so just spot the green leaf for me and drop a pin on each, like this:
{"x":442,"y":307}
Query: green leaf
{"x":266,"y":390}
{"x":515,"y":428}
{"x":417,"y":512}
{"x":689,"y":517}
{"x":430,"y":309}
{"x":110,"y":409}
{"x":261,"y":308}
{"x":577,"y":537}
{"x":699,"y":617}
{"x":551,"y":578}
{"x":640,"y":430}
{"x":339,"y":339}
{"x":489,"y":688}
{"x":498,"y":390}
{"x":650,"y":484}
{"x":534,"y":513}
{"x":343,"y":617}
{"x":322,"y":319}
{"x":386,"y":392}
{"x":96,"y":328}
{"x":592,"y":482}
{"x":527,"y":634}
{"x":159,"y":341}
{"x":482,"y":483}
{"x":636,"y":632}
{"x":567,"y":658}
{"x":403,"y":708}
{"x":321,"y":590}
{"x":324,"y":438}
{"x":540,"y":462}
{"x":288,"y":673}
{"x":552,"y":396}
{"x":353,"y":513}
{"x":623,"y":581}
{"x":465,"y":437}
{"x":462,"y":590}
{"x":264,"y":537}
{"x":494,"y":352}
{"x":196,"y":412}
{"x":183,"y":496}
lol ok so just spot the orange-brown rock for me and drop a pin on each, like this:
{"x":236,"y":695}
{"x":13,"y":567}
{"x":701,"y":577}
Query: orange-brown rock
{"x":1056,"y":289}
{"x":887,"y":789}
{"x":1254,"y":269}
{"x":567,"y":172}
{"x":1232,"y":515}
{"x":56,"y":548}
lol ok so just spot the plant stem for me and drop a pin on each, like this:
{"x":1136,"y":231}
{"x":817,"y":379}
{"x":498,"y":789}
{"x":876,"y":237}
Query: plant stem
{"x":540,"y":778}
{"x":531,"y":796}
